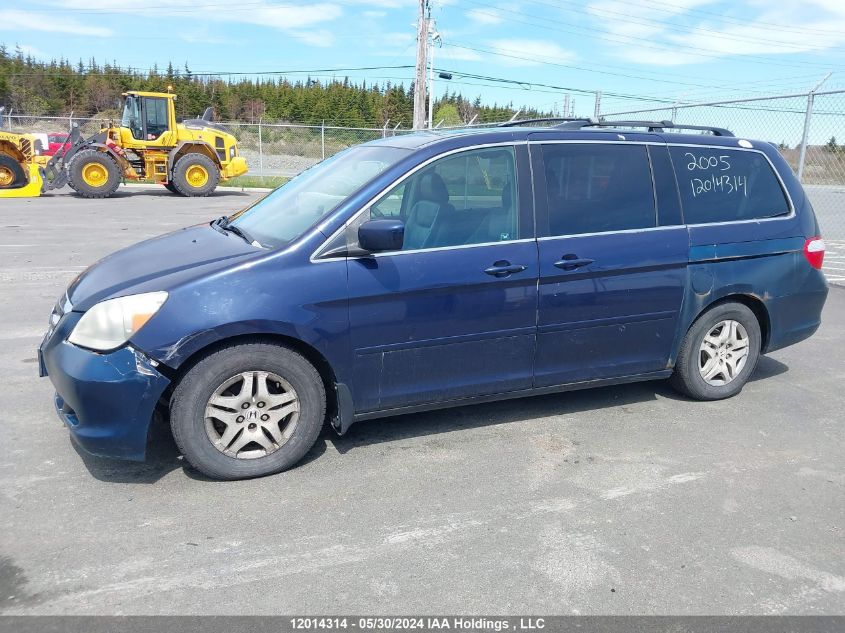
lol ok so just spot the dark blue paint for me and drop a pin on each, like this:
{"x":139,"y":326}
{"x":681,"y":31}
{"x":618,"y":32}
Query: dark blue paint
{"x":615,"y":317}
{"x":106,"y":400}
{"x":432,"y":325}
{"x":423,"y":330}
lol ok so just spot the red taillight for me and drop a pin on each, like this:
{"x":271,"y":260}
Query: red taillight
{"x":814,"y":252}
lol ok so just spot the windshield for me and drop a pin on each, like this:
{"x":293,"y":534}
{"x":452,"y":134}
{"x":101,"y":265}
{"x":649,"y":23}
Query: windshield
{"x":288,"y":211}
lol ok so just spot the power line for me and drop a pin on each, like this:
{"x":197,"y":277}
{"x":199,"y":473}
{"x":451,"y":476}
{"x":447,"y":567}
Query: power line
{"x":726,"y":18}
{"x":641,"y":41}
{"x":530,"y":84}
{"x":221,"y":73}
{"x":579,"y":8}
{"x":500,"y":53}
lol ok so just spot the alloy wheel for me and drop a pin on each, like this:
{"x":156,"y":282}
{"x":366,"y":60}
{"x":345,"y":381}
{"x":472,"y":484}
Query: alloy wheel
{"x":723,"y":353}
{"x":251,"y":415}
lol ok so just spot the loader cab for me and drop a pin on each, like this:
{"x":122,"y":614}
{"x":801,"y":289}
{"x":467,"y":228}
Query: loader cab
{"x":148,"y":118}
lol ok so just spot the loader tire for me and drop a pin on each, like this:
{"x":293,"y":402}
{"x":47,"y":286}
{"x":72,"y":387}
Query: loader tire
{"x":195,"y":175}
{"x":12,"y":175}
{"x":169,"y":186}
{"x":93,"y":174}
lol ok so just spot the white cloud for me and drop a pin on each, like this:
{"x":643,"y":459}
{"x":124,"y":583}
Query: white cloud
{"x":518,"y":52}
{"x":451,"y":53}
{"x":13,"y":20}
{"x":384,"y":4}
{"x":289,"y":18}
{"x":673,"y":36}
{"x":395,"y":38}
{"x":321,"y":37}
{"x":484,"y":17}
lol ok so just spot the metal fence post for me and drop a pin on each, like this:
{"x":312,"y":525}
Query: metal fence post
{"x":323,"y":138}
{"x":808,"y":117}
{"x":260,"y":149}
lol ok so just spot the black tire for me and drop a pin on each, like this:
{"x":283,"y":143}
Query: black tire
{"x":188,"y":406}
{"x":12,"y":168}
{"x":182,"y":182}
{"x":169,"y":186}
{"x":83,"y":161}
{"x":687,"y":378}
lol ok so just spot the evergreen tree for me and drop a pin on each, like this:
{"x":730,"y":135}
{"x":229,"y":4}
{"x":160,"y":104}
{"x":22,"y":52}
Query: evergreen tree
{"x":58,"y":87}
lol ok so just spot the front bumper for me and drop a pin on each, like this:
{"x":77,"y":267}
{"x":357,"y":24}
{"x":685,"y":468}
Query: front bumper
{"x":106,"y":400}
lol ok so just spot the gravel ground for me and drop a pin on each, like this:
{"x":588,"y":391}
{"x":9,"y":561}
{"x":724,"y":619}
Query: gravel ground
{"x":276,"y":164}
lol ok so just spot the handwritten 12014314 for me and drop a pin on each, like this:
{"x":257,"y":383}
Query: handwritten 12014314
{"x":721,"y":183}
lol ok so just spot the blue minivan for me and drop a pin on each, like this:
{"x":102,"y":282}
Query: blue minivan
{"x":440,"y":269}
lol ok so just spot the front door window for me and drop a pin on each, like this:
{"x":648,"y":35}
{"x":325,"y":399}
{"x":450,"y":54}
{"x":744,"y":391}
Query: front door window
{"x":468,"y":198}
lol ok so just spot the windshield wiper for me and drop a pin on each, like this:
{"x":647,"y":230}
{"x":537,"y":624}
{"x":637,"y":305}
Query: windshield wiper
{"x":222,"y":225}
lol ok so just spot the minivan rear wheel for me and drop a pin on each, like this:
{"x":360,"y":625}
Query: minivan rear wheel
{"x":719,"y":353}
{"x":247,"y":411}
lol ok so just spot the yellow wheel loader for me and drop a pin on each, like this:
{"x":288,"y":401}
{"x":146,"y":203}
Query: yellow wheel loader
{"x":20,"y":166}
{"x":189,"y":158}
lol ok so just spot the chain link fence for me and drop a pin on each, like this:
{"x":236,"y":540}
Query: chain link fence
{"x":21,"y":123}
{"x":805,"y":127}
{"x":281,"y":149}
{"x":270,"y":149}
{"x":809,"y":130}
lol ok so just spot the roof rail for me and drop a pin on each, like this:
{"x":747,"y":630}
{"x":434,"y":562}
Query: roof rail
{"x":543,"y":120}
{"x":653,"y":126}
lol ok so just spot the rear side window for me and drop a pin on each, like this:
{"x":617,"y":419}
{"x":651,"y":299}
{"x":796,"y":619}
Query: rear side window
{"x":594,"y":188}
{"x":726,"y":185}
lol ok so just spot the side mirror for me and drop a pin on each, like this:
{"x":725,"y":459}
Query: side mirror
{"x":381,"y":235}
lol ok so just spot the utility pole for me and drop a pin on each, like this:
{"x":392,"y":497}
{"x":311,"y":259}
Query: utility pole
{"x":597,"y":108}
{"x":433,"y":38}
{"x":419,"y":82}
{"x":566,"y":105}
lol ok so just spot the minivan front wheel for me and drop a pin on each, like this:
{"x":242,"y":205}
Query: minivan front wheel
{"x":248,"y":410}
{"x":719,"y":353}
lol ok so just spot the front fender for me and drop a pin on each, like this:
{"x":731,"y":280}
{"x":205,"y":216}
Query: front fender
{"x":176,"y":354}
{"x":183,"y":147}
{"x":306,"y":302}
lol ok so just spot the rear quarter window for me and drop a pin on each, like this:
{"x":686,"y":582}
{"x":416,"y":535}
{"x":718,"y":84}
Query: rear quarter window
{"x":727,"y":185}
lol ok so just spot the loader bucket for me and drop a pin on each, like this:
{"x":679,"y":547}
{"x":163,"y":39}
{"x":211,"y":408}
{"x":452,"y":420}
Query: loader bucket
{"x":31,"y":189}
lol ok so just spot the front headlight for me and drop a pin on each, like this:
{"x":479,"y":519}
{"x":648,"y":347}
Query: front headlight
{"x":109,"y":324}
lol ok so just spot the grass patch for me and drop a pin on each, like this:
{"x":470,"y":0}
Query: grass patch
{"x":270,"y":182}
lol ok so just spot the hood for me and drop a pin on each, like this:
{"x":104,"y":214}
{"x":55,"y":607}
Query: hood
{"x":159,"y":264}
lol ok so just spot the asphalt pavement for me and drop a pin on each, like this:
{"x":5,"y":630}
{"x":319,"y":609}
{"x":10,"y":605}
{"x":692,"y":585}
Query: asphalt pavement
{"x":620,"y":500}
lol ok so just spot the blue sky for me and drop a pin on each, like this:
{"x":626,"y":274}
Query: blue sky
{"x":686,"y":50}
